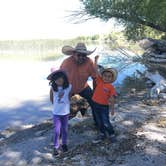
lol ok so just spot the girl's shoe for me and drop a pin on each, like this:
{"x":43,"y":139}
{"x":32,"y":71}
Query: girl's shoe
{"x":56,"y":152}
{"x":64,"y":148}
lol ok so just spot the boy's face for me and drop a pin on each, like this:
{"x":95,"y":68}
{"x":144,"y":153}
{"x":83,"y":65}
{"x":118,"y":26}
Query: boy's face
{"x":107,"y":77}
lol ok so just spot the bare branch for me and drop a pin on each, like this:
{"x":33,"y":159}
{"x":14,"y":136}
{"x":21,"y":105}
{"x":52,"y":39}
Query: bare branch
{"x":78,"y":16}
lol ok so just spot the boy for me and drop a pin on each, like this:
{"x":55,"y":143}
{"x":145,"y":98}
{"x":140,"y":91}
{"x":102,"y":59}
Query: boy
{"x":104,"y":98}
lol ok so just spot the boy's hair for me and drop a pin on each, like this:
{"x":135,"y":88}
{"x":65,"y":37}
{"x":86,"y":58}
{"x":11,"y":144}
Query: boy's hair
{"x":54,"y":77}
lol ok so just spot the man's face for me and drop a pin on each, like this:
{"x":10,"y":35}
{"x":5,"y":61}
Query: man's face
{"x":80,"y":58}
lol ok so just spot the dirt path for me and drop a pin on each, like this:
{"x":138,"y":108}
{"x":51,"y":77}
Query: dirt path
{"x":140,"y":130}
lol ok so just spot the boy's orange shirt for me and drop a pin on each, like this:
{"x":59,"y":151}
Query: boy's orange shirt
{"x":103,"y":92}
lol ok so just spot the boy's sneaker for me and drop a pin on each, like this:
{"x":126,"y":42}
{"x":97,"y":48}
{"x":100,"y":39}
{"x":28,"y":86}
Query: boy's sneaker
{"x":64,"y":148}
{"x":99,"y":138}
{"x":113,"y":138}
{"x":56,"y":152}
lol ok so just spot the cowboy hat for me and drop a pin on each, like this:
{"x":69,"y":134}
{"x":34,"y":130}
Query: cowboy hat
{"x":113,"y":71}
{"x":49,"y":77}
{"x":80,"y":48}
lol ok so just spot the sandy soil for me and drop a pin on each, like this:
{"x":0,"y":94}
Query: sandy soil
{"x":140,"y":130}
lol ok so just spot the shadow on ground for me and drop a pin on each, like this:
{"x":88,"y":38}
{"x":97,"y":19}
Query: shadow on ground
{"x":26,"y":112}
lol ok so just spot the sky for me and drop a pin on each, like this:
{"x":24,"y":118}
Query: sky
{"x":44,"y":19}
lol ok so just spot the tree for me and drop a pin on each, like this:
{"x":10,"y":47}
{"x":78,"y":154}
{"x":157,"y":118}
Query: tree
{"x":135,"y":15}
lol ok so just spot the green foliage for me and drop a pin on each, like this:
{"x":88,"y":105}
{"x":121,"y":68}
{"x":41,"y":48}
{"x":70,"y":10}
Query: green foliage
{"x":135,"y":15}
{"x":95,"y":37}
{"x":50,"y":49}
{"x":87,"y":38}
{"x":44,"y":50}
{"x":138,"y":31}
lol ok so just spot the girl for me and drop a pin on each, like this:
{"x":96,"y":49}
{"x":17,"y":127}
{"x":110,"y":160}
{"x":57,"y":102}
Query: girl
{"x":59,"y":96}
{"x":103,"y":98}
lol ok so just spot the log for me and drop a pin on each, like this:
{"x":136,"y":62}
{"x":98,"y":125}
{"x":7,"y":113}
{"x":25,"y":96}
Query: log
{"x":156,"y":60}
{"x":146,"y":43}
{"x":158,"y":45}
{"x":162,"y":56}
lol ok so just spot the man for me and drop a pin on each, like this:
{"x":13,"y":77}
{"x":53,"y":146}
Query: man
{"x":79,"y":68}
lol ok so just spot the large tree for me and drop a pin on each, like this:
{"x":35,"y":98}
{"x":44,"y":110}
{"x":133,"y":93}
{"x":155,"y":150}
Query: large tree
{"x":135,"y":15}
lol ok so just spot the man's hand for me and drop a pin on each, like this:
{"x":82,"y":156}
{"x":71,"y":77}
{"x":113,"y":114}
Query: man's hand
{"x":111,"y":102}
{"x":112,"y":111}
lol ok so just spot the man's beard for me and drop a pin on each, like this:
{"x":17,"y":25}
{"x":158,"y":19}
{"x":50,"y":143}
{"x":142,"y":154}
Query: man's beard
{"x":80,"y":62}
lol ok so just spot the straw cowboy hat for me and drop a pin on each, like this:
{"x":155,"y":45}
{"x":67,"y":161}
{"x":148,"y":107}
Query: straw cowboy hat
{"x":113,"y":71}
{"x":80,"y":48}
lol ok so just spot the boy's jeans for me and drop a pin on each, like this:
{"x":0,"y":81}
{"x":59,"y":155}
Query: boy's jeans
{"x":102,"y":118}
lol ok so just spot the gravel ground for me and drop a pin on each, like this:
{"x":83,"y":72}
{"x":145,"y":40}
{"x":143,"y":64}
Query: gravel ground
{"x":141,"y":140}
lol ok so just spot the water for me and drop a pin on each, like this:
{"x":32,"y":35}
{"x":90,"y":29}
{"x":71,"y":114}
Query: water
{"x":125,"y":65}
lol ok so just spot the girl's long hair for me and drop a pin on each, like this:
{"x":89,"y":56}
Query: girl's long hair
{"x":59,"y":74}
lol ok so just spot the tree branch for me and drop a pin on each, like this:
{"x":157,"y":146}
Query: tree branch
{"x":138,"y":20}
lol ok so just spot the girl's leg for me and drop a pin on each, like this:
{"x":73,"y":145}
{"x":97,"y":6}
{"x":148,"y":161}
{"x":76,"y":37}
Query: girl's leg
{"x":57,"y":127}
{"x":64,"y":129}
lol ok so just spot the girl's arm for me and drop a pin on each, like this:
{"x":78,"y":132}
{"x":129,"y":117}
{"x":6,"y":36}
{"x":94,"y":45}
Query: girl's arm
{"x":111,"y":104}
{"x":51,"y":95}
